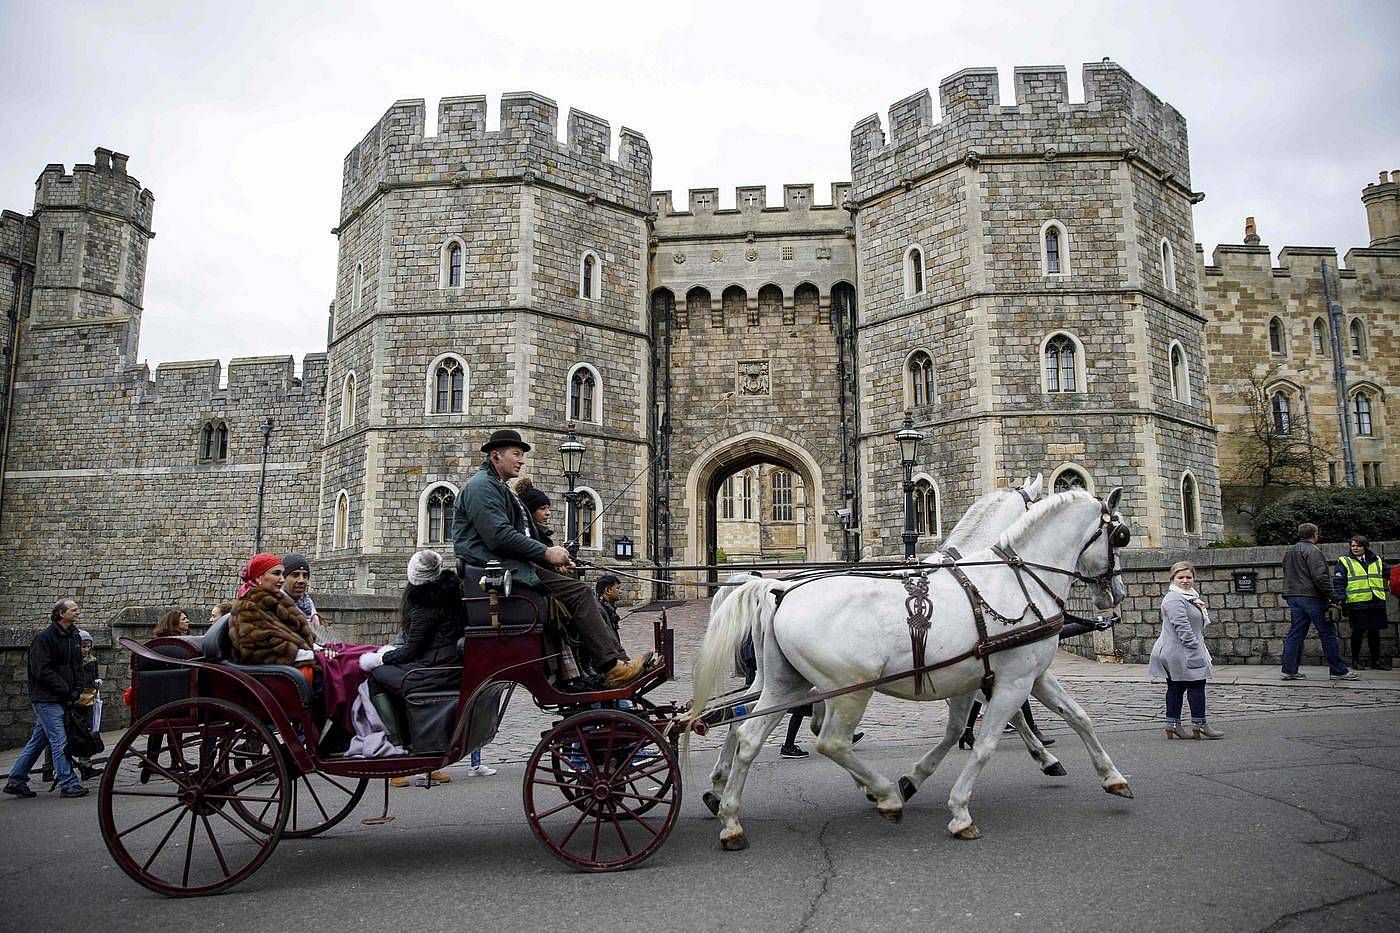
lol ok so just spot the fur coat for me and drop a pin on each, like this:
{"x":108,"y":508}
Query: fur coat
{"x":266,"y":627}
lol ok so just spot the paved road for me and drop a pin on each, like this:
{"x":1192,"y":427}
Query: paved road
{"x":1287,"y":824}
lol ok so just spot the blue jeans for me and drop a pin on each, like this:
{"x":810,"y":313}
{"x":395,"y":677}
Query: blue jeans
{"x":1305,"y":611}
{"x":1195,"y":693}
{"x":476,"y":758}
{"x":48,"y":731}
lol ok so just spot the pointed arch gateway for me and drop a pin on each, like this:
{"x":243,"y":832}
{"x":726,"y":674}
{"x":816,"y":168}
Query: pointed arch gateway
{"x":723,"y":458}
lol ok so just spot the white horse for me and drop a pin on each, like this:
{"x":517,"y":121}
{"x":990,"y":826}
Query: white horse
{"x":836,"y":632}
{"x":979,"y":528}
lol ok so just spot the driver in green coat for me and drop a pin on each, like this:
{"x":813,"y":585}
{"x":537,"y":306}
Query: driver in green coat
{"x":489,"y":521}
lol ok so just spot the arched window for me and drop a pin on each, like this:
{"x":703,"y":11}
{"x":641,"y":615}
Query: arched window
{"x":927,"y":511}
{"x":913,"y":272}
{"x":347,"y":401}
{"x":1276,"y":344}
{"x":450,"y":275}
{"x":589,"y":276}
{"x":1168,"y":266}
{"x":726,"y":499}
{"x":918,"y":380}
{"x":587,"y":525}
{"x":780,"y":482}
{"x":1190,"y":505}
{"x":1282,"y":413}
{"x":585,"y":399}
{"x":1061,"y":364}
{"x":745,"y":495}
{"x":340,"y":529}
{"x":1181,"y":379}
{"x":1361,"y":414}
{"x":357,"y":286}
{"x":1054,"y":248}
{"x":447,"y":393}
{"x":1358,"y":337}
{"x":1319,"y":337}
{"x":1070,"y":477}
{"x":435,"y":515}
{"x":213,"y":441}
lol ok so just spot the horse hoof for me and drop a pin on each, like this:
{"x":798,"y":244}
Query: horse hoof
{"x":1120,"y":789}
{"x":891,"y":816}
{"x":711,"y":802}
{"x":907,"y":788}
{"x":1055,"y":770}
{"x":736,"y":843}
{"x":968,"y":832}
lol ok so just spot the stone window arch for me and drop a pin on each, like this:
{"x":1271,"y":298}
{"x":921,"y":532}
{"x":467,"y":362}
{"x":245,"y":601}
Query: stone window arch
{"x":1062,"y":364}
{"x":1069,"y":476}
{"x":1357,"y":332}
{"x":451,"y":272}
{"x":1168,"y":265}
{"x":447,"y":384}
{"x":1362,"y":424}
{"x":780,"y":494}
{"x":585,"y":400}
{"x":213,"y":441}
{"x":590,"y":276}
{"x":697,"y":304}
{"x":347,"y":400}
{"x":1180,"y":372}
{"x":928,"y":506}
{"x":1054,"y":248}
{"x":1278,"y":341}
{"x":919,"y":383}
{"x":914,"y":271}
{"x":357,"y":286}
{"x":435,"y":514}
{"x":1190,"y":504}
{"x":1321,"y":345}
{"x":340,"y":526}
{"x":587,"y":521}
{"x":1280,"y":412}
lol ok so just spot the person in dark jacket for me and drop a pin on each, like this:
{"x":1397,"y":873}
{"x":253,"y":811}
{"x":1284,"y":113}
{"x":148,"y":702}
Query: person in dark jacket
{"x":1359,"y":585}
{"x":541,"y":509}
{"x":1307,"y":588}
{"x":490,"y":522}
{"x":609,"y":591}
{"x":55,"y":682}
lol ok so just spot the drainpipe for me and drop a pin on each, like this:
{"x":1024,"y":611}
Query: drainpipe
{"x":1339,"y":372}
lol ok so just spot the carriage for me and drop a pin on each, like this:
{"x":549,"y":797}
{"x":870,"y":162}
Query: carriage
{"x":221,"y":761}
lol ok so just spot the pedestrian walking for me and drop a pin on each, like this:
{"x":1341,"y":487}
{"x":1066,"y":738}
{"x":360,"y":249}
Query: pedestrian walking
{"x":1180,"y":654}
{"x":1359,"y":584}
{"x":1307,"y":588}
{"x":55,"y":682}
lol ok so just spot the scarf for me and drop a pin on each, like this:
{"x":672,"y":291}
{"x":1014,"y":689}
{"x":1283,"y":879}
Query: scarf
{"x":1194,"y":597}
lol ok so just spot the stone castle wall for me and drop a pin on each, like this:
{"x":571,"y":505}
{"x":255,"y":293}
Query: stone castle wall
{"x":974,"y":193}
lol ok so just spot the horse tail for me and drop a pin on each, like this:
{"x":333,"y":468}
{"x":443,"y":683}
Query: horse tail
{"x":739,"y":616}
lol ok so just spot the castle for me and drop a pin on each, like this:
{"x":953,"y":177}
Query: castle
{"x":1019,"y":277}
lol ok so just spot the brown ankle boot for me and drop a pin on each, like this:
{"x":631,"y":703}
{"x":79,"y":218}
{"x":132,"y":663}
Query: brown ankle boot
{"x":1176,"y":730}
{"x":624,"y":672}
{"x":1204,"y":731}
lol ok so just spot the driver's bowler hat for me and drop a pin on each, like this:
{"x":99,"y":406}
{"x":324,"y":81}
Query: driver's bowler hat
{"x":506,"y":437}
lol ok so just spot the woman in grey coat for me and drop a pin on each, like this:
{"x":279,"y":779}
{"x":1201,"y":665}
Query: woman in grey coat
{"x":1180,"y":654}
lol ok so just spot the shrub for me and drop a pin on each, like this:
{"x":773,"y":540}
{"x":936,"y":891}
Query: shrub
{"x":1337,"y":513}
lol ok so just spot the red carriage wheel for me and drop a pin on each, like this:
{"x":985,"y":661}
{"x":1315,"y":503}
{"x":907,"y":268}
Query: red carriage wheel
{"x":619,"y":797}
{"x":318,"y":800}
{"x":172,"y":807}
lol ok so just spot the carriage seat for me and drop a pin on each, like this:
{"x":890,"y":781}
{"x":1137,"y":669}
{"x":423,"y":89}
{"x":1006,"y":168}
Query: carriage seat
{"x":218,"y":649}
{"x":521,"y":611}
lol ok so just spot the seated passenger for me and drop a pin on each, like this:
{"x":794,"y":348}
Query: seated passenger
{"x":540,"y":508}
{"x":265,"y":626}
{"x":490,"y":522}
{"x":432,"y":620}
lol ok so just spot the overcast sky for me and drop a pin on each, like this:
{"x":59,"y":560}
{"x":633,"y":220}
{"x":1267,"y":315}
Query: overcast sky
{"x":238,"y":116}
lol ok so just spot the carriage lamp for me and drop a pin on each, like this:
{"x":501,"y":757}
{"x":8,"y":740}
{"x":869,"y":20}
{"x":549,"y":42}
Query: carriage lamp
{"x":908,"y":454}
{"x":622,"y":548}
{"x":571,"y":455}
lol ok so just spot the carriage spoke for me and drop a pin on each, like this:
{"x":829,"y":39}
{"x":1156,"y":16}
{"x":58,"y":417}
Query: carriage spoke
{"x":189,"y":852}
{"x":642,"y":797}
{"x":566,"y":785}
{"x":153,"y":766}
{"x":164,"y":839}
{"x":638,"y":818}
{"x":145,"y":793}
{"x":238,"y":826}
{"x":622,"y":836}
{"x":150,"y":819}
{"x":597,"y":832}
{"x":315,"y":797}
{"x":336,"y":784}
{"x":571,"y":802}
{"x":573,"y":829}
{"x":218,"y":852}
{"x":265,"y":800}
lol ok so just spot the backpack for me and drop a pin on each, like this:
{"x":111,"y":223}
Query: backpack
{"x":82,"y":741}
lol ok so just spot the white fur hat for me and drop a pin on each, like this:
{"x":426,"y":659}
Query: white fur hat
{"x":424,"y":567}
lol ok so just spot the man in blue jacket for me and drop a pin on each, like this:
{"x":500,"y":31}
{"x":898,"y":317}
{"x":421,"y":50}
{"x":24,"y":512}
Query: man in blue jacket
{"x":55,"y":681}
{"x":489,"y":521}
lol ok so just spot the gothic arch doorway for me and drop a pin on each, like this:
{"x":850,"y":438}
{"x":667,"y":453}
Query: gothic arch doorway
{"x":733,"y":456}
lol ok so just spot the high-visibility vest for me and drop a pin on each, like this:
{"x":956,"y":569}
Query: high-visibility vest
{"x":1364,"y":581}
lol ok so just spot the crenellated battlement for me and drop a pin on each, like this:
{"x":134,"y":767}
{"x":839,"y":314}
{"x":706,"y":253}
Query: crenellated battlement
{"x":263,"y":376}
{"x":749,"y":200}
{"x":526,"y":147}
{"x":1117,"y":114}
{"x":104,"y":184}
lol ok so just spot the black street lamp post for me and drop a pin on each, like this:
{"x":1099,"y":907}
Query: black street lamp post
{"x":571,"y":456}
{"x":262,"y":485}
{"x":908,"y":454}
